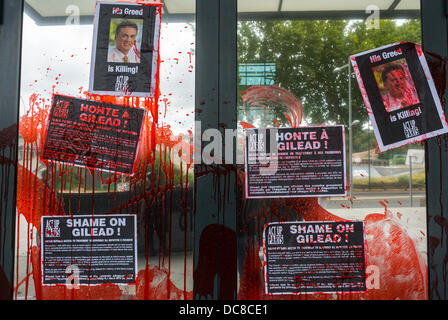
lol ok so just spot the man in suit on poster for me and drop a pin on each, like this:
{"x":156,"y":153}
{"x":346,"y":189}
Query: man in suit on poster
{"x":125,"y":50}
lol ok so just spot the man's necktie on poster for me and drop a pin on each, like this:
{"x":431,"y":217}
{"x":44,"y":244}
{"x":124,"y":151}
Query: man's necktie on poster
{"x":125,"y":59}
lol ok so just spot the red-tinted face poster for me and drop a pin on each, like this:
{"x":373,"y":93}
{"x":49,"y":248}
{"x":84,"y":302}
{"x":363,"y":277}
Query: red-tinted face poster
{"x":295,"y":162}
{"x":125,"y":49}
{"x":93,"y":134}
{"x":399,"y":94}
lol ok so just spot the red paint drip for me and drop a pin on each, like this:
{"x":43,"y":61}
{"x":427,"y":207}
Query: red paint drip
{"x":402,"y":269}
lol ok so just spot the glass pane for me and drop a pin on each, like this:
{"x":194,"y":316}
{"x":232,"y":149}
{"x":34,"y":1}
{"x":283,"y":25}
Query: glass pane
{"x":56,"y":59}
{"x":293,"y":73}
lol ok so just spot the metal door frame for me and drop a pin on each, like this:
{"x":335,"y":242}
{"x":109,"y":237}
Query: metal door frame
{"x":215,"y":194}
{"x":434,"y":40}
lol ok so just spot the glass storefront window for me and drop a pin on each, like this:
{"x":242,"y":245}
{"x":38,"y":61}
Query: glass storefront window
{"x":56,"y":57}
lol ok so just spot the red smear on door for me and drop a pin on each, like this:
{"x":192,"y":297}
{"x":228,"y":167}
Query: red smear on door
{"x":216,"y":259}
{"x":402,"y":270}
{"x":155,"y":284}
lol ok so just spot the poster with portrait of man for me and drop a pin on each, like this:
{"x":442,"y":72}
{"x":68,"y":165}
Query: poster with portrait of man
{"x":399,"y":94}
{"x":125,"y":49}
{"x":125,"y":41}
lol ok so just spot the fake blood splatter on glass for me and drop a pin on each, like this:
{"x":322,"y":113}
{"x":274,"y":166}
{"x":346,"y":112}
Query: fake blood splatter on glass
{"x":389,"y":248}
{"x":40,"y":196}
{"x":42,"y":184}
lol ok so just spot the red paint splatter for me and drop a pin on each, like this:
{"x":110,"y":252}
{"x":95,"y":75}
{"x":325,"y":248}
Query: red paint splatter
{"x":155,"y":284}
{"x":402,"y":269}
{"x":216,"y":257}
{"x":246,"y":125}
{"x":41,"y":196}
{"x":62,"y":292}
{"x":388,"y":247}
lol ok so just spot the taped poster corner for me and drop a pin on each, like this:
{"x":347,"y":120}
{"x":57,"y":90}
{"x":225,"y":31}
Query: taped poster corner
{"x":399,"y":94}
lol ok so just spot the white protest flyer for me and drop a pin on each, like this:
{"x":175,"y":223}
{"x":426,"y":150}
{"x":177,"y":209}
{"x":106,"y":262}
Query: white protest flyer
{"x":399,"y":94}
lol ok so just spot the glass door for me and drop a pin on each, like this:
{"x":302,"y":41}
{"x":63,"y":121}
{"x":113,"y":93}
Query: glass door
{"x":56,"y":58}
{"x":294,"y":72}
